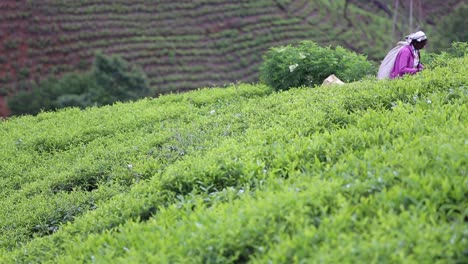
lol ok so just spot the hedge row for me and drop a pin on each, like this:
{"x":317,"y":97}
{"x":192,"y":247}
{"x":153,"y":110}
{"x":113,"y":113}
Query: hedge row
{"x":242,"y":174}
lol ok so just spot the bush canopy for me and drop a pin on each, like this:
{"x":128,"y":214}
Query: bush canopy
{"x":111,"y":79}
{"x":308,"y":64}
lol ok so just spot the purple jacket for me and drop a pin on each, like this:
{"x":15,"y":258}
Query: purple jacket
{"x":404,"y":63}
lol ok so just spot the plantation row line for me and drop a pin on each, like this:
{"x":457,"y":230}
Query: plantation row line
{"x":254,"y":27}
{"x":231,"y":49}
{"x":80,"y":22}
{"x":245,"y":9}
{"x":92,"y":145}
{"x":162,"y":80}
{"x":211,"y":144}
{"x":136,"y":21}
{"x":312,"y":205}
{"x":186,"y":4}
{"x":184,"y":41}
{"x":151,"y":42}
{"x":93,"y":18}
{"x":247,"y":40}
{"x":153,"y":50}
{"x":145,"y":14}
{"x":184,"y":55}
{"x":206,"y":23}
{"x":44,"y":42}
{"x":269,"y":23}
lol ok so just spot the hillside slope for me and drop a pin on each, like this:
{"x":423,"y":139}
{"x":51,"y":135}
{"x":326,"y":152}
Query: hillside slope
{"x":372,"y":171}
{"x":181,"y":45}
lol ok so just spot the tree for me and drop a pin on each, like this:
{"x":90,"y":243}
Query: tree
{"x":118,"y":80}
{"x":345,"y":13}
{"x":111,"y":79}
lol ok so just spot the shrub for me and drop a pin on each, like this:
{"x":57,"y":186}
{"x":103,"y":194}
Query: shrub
{"x":32,"y":97}
{"x":24,"y":103}
{"x":117,"y":80}
{"x":457,"y":50}
{"x":309,"y":64}
{"x":3,"y":91}
{"x":23,"y":73}
{"x":111,"y":79}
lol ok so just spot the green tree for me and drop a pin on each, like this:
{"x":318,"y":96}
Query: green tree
{"x":111,"y":79}
{"x":452,"y":28}
{"x":117,"y":80}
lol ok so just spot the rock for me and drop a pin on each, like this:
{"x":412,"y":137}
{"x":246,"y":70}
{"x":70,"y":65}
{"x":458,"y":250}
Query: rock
{"x":332,"y":79}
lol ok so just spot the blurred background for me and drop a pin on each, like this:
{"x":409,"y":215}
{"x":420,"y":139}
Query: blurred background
{"x":172,"y":46}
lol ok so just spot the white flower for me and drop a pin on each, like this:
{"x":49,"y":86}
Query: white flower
{"x":301,"y":55}
{"x":293,"y":67}
{"x":428,"y":101}
{"x":212,"y":112}
{"x":280,"y":49}
{"x":129,"y":166}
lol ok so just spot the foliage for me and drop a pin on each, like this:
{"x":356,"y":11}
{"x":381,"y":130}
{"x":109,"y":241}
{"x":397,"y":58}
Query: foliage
{"x":308,"y":64}
{"x":371,"y":171}
{"x":457,"y":50}
{"x":110,"y":80}
{"x":4,"y":91}
{"x":452,"y":28}
{"x":189,"y":52}
{"x":117,"y":80}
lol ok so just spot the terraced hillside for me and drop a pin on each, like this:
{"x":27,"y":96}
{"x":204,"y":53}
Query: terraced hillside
{"x":428,"y":11}
{"x":181,"y":44}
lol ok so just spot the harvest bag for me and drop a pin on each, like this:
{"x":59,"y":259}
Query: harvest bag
{"x":389,"y":61}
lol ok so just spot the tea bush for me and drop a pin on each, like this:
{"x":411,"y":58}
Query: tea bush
{"x":371,"y":171}
{"x":308,"y":64}
{"x":457,"y":50}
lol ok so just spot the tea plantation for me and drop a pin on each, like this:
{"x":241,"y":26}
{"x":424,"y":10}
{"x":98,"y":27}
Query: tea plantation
{"x":185,"y":44}
{"x":368,"y":172}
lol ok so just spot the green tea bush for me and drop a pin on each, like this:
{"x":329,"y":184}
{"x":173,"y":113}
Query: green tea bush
{"x":372,"y":171}
{"x":85,"y":162}
{"x":433,"y":60}
{"x":308,"y":64}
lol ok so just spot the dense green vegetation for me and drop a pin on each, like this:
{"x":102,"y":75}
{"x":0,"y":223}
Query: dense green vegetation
{"x":452,"y":28}
{"x":185,"y":44}
{"x":372,"y":171}
{"x":308,"y":64}
{"x":435,"y":60}
{"x":110,"y":80}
